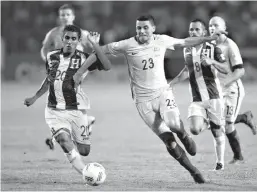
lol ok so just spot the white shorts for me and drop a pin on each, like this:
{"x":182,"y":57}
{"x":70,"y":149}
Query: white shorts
{"x":212,"y":110}
{"x":74,"y":122}
{"x":233,"y":101}
{"x":152,"y":112}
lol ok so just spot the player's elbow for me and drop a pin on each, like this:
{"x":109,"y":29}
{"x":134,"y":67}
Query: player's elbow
{"x":107,"y":69}
{"x":240,"y":72}
{"x":107,"y":64}
{"x":43,"y":53}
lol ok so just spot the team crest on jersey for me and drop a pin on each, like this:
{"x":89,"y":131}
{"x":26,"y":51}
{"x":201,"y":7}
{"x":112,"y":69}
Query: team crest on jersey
{"x":75,"y":63}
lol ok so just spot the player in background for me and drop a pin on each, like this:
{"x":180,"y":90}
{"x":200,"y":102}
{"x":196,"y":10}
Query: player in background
{"x":65,"y":112}
{"x":155,"y":103}
{"x":202,"y":63}
{"x":53,"y":40}
{"x":232,"y":87}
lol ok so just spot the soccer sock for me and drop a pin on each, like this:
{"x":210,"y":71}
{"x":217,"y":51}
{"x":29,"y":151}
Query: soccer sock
{"x":241,"y":118}
{"x":235,"y":145}
{"x":179,"y":154}
{"x":219,"y":145}
{"x":76,"y":161}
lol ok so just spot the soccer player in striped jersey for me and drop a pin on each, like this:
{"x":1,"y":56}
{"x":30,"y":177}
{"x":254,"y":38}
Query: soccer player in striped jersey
{"x":202,"y":65}
{"x":232,"y":87}
{"x":155,"y":103}
{"x":65,"y":112}
{"x":53,"y":41}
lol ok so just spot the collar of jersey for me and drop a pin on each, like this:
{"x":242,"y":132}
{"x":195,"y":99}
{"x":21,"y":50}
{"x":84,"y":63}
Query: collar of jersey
{"x":136,"y":39}
{"x":75,"y":53}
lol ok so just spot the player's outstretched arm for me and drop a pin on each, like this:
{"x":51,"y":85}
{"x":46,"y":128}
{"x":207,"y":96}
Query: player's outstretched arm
{"x":106,"y":64}
{"x":182,"y":76}
{"x":44,"y":87}
{"x":193,"y":41}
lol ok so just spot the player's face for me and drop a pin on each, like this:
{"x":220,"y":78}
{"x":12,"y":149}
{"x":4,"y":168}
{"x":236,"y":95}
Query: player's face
{"x":66,"y":16}
{"x":216,"y":24}
{"x":196,"y":29}
{"x":144,"y":30}
{"x":70,"y":41}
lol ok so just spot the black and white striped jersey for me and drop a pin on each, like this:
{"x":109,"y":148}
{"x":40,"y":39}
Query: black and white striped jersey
{"x":61,"y":69}
{"x":204,"y":84}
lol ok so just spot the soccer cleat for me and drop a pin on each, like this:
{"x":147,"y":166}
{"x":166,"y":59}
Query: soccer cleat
{"x":189,"y":144}
{"x":219,"y":167}
{"x":198,"y":178}
{"x":249,"y":121}
{"x":50,"y":143}
{"x":236,"y":161}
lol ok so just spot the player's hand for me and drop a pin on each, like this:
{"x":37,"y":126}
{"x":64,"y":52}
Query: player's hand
{"x":77,"y":80}
{"x":206,"y":60}
{"x":93,"y":37}
{"x":29,"y":101}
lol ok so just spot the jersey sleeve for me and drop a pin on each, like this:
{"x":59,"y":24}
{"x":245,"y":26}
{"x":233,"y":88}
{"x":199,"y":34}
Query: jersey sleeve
{"x":234,"y":55}
{"x":170,"y":42}
{"x":218,"y":55}
{"x":115,"y":48}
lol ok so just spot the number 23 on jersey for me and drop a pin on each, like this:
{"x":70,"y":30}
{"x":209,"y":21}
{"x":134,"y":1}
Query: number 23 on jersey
{"x":148,"y":64}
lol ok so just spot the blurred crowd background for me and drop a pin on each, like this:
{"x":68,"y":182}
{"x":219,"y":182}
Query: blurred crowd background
{"x":24,"y":25}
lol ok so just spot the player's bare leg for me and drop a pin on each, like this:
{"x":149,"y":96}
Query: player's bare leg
{"x":173,"y":121}
{"x":247,"y":118}
{"x":218,"y":133}
{"x":50,"y":142}
{"x":197,"y":124}
{"x":179,"y":154}
{"x":64,"y":139}
{"x":234,"y":142}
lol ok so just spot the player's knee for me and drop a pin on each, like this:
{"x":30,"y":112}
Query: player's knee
{"x":84,"y":149}
{"x":168,"y":139}
{"x":64,"y":141}
{"x":216,"y":130}
{"x":173,"y":124}
{"x":194,"y":130}
{"x":196,"y":125}
{"x":229,"y":127}
{"x":62,"y":138}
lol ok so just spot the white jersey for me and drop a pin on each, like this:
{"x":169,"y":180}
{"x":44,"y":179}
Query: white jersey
{"x":145,"y":64}
{"x":233,"y":58}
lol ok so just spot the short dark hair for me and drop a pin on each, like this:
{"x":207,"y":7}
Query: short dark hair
{"x":146,"y":18}
{"x":200,"y":21}
{"x":72,"y":28}
{"x":67,"y":6}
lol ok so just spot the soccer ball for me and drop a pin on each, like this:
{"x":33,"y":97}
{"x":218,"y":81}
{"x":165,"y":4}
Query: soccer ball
{"x":94,"y":174}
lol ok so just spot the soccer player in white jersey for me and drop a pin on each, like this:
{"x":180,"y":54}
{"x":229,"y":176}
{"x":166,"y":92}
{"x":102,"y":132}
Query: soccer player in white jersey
{"x":53,"y":41}
{"x":65,"y":112}
{"x":232,"y":86}
{"x":202,"y":64}
{"x":156,"y":105}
